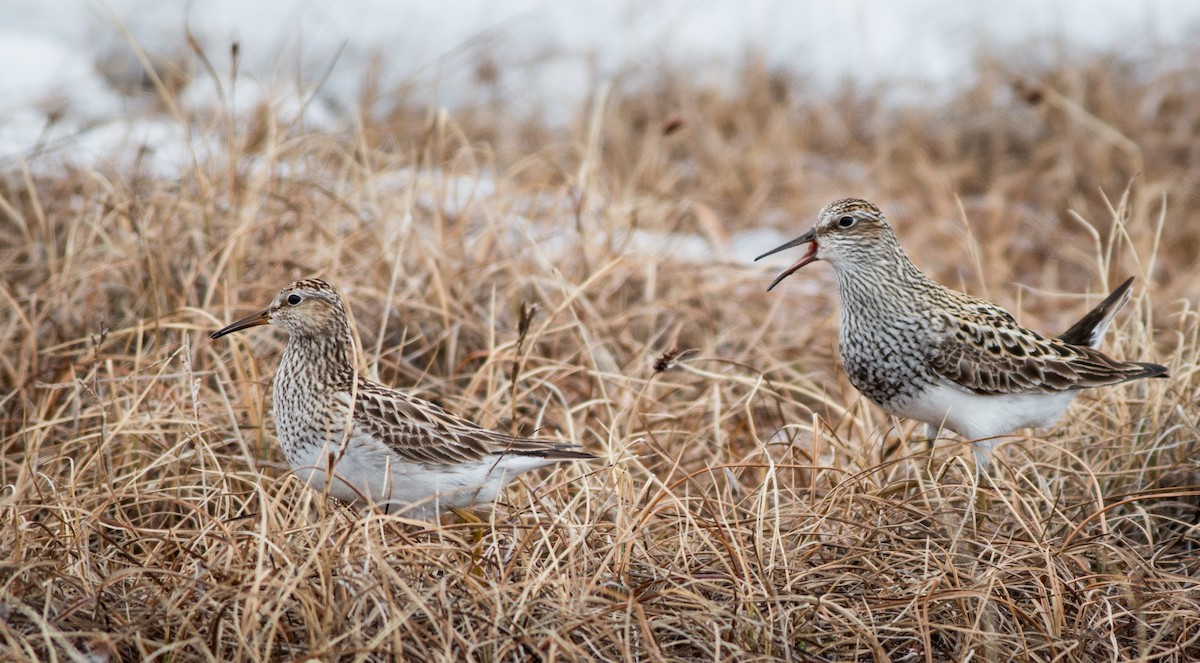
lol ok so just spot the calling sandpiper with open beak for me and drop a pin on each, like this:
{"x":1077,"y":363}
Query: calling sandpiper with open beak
{"x":809,"y":238}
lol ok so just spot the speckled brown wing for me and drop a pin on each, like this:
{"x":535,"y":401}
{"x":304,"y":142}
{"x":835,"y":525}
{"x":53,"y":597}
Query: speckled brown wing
{"x":982,"y":348}
{"x":421,"y":432}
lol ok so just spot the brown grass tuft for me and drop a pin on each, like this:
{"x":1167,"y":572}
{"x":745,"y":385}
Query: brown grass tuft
{"x":750,"y":504}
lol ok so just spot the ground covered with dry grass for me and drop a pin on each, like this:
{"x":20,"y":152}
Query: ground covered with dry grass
{"x":749,"y":505}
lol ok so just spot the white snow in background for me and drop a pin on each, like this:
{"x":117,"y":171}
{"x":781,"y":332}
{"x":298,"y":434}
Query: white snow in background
{"x":66,"y":67}
{"x":544,"y":223}
{"x":549,"y":54}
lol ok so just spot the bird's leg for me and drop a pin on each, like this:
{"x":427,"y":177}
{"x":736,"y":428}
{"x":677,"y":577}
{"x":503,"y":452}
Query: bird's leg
{"x":466,"y":516}
{"x":983,"y":459}
{"x":983,"y":455}
{"x":476,"y":525}
{"x":931,"y":435}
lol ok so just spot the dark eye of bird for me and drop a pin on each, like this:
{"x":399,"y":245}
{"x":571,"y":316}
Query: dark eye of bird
{"x":294,"y":299}
{"x":846,"y":221}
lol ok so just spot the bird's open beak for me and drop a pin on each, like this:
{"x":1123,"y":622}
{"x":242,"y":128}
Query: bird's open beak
{"x":263,"y":317}
{"x":809,"y":238}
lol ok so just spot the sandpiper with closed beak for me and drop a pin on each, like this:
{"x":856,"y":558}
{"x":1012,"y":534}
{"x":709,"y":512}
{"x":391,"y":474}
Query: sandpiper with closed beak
{"x":372,"y":443}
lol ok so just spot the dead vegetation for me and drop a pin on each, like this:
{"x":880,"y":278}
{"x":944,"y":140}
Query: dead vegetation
{"x":750,"y":505}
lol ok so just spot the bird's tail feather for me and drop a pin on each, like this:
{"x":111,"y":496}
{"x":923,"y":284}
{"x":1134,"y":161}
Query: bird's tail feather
{"x":1091,"y":328}
{"x":1151,"y":370}
{"x":563,"y":452}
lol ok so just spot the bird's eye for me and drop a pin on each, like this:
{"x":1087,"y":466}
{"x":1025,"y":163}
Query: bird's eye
{"x":846,"y":221}
{"x":294,"y":299}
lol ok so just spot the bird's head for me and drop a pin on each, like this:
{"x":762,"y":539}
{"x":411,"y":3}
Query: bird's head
{"x":847,"y":232}
{"x":304,"y":308}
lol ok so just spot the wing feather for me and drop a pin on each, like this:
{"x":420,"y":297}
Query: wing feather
{"x":983,"y":349}
{"x":422,"y":432}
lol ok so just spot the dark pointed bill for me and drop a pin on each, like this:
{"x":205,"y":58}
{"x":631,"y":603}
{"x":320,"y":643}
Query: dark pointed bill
{"x":810,"y":255}
{"x":263,"y":317}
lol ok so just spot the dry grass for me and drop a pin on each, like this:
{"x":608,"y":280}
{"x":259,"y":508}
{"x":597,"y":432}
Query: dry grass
{"x":750,"y":504}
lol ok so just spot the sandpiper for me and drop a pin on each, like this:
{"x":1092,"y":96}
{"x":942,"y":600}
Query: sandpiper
{"x":921,"y":350}
{"x":380,"y":445}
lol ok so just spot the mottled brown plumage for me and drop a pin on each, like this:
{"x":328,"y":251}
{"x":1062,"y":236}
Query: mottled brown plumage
{"x":921,"y":350}
{"x":982,"y":348}
{"x":381,"y":444}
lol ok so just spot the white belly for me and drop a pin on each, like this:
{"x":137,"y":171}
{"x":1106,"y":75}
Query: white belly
{"x":368,"y":472}
{"x":979,"y":415}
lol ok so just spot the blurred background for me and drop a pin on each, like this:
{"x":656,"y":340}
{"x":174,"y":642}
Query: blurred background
{"x":612,"y":167}
{"x":74,"y":74}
